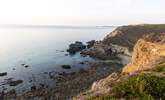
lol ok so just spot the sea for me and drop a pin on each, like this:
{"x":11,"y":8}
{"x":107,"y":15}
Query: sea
{"x":33,"y":53}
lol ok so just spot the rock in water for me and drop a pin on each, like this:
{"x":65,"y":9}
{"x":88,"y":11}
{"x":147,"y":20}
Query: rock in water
{"x":66,"y":66}
{"x":33,"y":88}
{"x":82,"y":63}
{"x":90,"y":43}
{"x":15,"y":83}
{"x":76,"y":47}
{"x":26,"y":66}
{"x":3,"y":74}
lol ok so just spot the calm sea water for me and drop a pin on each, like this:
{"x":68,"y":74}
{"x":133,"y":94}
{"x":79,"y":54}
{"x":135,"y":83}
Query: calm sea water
{"x":43,"y":49}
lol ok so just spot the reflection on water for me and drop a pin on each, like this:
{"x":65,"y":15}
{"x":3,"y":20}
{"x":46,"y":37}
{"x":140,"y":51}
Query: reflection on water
{"x":43,"y":50}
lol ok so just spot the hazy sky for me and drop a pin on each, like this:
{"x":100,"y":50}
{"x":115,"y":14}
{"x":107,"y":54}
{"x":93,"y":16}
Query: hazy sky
{"x":81,"y":12}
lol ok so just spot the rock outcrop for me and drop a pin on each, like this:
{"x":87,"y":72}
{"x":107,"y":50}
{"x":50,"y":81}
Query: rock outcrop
{"x":148,"y":51}
{"x":3,"y":74}
{"x":90,"y":43}
{"x":103,"y":51}
{"x":76,"y":47}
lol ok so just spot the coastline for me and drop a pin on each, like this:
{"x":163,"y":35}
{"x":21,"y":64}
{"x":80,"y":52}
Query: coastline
{"x":71,"y":84}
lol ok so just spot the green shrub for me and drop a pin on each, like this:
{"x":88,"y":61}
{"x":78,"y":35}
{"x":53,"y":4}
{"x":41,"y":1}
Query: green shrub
{"x":139,"y":87}
{"x":102,"y":98}
{"x":143,"y":87}
{"x":159,"y":68}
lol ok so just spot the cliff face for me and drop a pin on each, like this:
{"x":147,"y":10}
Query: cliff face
{"x":127,"y":36}
{"x":148,"y":51}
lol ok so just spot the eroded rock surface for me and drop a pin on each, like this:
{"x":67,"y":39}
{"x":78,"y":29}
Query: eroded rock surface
{"x":103,"y":51}
{"x":148,"y":51}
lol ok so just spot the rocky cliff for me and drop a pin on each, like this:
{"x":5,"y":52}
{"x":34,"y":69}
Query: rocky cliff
{"x":148,"y":51}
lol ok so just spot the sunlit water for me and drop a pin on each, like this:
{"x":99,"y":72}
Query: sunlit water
{"x":43,"y":49}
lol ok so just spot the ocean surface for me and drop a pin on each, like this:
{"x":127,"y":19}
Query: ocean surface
{"x":43,"y":49}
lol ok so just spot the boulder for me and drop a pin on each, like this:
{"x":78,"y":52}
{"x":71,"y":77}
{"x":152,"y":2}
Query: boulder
{"x":76,"y":47}
{"x":15,"y":83}
{"x":82,"y":63}
{"x":66,"y":66}
{"x":3,"y":74}
{"x":26,"y":66}
{"x":90,"y":43}
{"x":33,"y":88}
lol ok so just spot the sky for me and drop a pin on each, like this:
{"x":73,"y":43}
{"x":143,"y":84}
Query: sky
{"x":81,"y":12}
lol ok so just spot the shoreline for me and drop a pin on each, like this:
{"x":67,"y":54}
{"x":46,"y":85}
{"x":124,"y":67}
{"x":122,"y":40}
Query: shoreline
{"x":69,"y":85}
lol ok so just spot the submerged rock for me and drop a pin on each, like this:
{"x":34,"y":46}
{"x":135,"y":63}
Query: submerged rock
{"x":15,"y":83}
{"x":3,"y":74}
{"x":66,"y":66}
{"x":66,"y":54}
{"x":82,"y":63}
{"x":26,"y":66}
{"x":13,"y":69}
{"x":62,"y":73}
{"x":33,"y":88}
{"x":76,"y":47}
{"x":23,"y":64}
{"x":42,"y":85}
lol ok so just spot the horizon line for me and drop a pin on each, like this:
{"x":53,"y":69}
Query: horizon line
{"x":24,"y":25}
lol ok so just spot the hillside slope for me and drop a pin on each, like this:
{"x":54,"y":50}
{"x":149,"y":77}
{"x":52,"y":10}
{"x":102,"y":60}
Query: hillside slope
{"x":127,"y":36}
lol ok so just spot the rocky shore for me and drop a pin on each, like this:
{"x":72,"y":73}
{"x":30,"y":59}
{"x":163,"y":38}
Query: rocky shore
{"x":68,"y":85}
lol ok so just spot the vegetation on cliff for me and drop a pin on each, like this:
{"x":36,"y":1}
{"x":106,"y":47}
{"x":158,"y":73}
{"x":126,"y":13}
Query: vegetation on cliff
{"x":159,"y":68}
{"x":141,"y":86}
{"x":147,"y":85}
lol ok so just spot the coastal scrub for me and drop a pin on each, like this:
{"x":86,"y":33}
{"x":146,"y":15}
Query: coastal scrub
{"x":141,"y":86}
